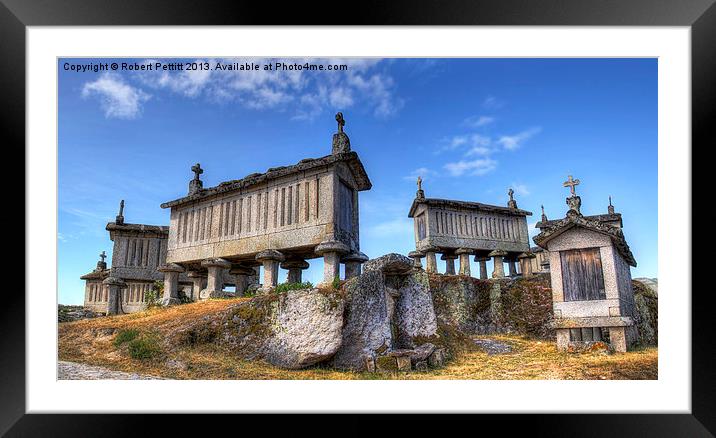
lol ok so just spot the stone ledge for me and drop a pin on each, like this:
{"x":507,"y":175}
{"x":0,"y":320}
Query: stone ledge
{"x":593,"y":321}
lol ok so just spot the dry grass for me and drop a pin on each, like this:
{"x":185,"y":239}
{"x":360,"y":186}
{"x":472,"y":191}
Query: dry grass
{"x":91,"y":341}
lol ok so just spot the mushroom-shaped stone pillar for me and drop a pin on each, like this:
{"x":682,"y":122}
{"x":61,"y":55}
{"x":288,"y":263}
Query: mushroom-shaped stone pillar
{"x":416,"y":256}
{"x":526,"y":263}
{"x":483,"y":266}
{"x":295,"y":270}
{"x":353,"y":262}
{"x":331,"y":252}
{"x":431,"y":262}
{"x":270,"y":258}
{"x":198,"y":279}
{"x":215,"y":278}
{"x":449,"y":263}
{"x":114,"y":292}
{"x":512,"y":264}
{"x":464,"y":255}
{"x":241,"y":277}
{"x":171,"y":283}
{"x":498,"y":257}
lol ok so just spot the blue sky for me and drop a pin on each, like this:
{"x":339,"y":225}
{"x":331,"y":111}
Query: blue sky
{"x":471,"y":128}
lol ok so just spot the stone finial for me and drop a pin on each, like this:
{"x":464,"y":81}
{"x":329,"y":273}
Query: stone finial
{"x":571,"y":183}
{"x":544,"y":216}
{"x":196,"y":184}
{"x":101,"y":264}
{"x":511,"y":203}
{"x":610,"y":208}
{"x":341,"y":142}
{"x":420,"y":194}
{"x":119,"y":220}
{"x":573,"y":201}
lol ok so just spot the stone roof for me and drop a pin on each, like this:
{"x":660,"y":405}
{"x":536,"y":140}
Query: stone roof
{"x":96,"y":275}
{"x":597,"y":217}
{"x":140,"y":228}
{"x":436,"y":202}
{"x":350,"y":158}
{"x":574,"y":219}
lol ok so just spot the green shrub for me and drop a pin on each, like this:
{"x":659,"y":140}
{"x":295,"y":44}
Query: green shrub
{"x":154,"y":295}
{"x":285,"y":287}
{"x":336,"y":283}
{"x":125,"y":336}
{"x":144,"y":347}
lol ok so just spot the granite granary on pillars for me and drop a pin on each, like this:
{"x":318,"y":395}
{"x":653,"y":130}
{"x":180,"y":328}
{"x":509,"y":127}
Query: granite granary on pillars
{"x":590,"y":274}
{"x":460,"y":229}
{"x":279,"y":218}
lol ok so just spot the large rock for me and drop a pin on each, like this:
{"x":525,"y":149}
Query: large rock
{"x":291,"y":330}
{"x":367,"y":330}
{"x":414,"y":311}
{"x":646,"y":302}
{"x":390,"y":264}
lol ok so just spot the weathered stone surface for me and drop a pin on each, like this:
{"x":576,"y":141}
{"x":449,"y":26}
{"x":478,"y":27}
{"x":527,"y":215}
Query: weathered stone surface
{"x":437,"y":358}
{"x":491,"y":347}
{"x":367,"y":329}
{"x":292,"y":330}
{"x":391,"y":264}
{"x":646,"y":302}
{"x":422,"y":352}
{"x":414,"y":311}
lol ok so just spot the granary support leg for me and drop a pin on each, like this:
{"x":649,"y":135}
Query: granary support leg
{"x":354,"y":261}
{"x":431,"y":263}
{"x":416,"y":256}
{"x":295,"y":270}
{"x":270,"y":259}
{"x":114,"y":287}
{"x":171,"y":283}
{"x":199,"y":282}
{"x":513,"y":267}
{"x":483,"y":266}
{"x":464,"y":255}
{"x":449,"y":263}
{"x":526,"y":263}
{"x":331,"y":252}
{"x":241,"y":278}
{"x":215,"y":278}
{"x":498,"y":257}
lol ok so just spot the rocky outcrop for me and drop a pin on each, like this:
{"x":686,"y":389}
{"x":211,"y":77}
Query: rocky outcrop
{"x":414,"y":311}
{"x":646,"y":302}
{"x":291,"y":330}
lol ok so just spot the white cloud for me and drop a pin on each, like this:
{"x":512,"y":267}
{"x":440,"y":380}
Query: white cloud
{"x":520,"y":189}
{"x":478,"y":121}
{"x":512,"y":142}
{"x":422,"y":172}
{"x":471,"y":167}
{"x":117,"y":98}
{"x":491,"y":102}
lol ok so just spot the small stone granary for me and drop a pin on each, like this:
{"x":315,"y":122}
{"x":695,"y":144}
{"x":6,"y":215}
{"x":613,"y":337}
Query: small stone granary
{"x":459,"y":229}
{"x":138,"y":251}
{"x":589,"y":264}
{"x":278,"y":218}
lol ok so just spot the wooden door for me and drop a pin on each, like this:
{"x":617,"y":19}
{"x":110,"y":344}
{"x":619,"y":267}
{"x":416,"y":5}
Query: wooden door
{"x":582,"y":276}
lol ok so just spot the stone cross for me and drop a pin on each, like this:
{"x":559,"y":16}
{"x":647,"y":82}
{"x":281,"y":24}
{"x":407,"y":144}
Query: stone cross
{"x":341,"y":121}
{"x":103,"y":256}
{"x":121,"y":207}
{"x":571,"y":183}
{"x":197,"y":170}
{"x":510,"y":193}
{"x":420,"y":183}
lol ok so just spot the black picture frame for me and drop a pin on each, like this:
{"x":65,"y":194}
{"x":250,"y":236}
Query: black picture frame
{"x":699,"y":15}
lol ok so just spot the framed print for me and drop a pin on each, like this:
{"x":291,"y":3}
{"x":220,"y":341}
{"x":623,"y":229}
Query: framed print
{"x":360,"y":219}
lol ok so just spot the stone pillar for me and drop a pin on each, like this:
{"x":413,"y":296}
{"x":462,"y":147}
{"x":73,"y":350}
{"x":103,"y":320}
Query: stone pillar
{"x":270,"y":259}
{"x":431,"y":263}
{"x":483,"y":266}
{"x":241,"y":278}
{"x":353,"y":262}
{"x":449,"y":263}
{"x":511,"y":263}
{"x":215,"y":278}
{"x":618,"y":339}
{"x":114,"y":294}
{"x":331,"y":252}
{"x":416,"y":256}
{"x":498,"y":257}
{"x":199,"y":282}
{"x":526,"y":263}
{"x":295,"y":270}
{"x":464,"y":255}
{"x":171,"y":283}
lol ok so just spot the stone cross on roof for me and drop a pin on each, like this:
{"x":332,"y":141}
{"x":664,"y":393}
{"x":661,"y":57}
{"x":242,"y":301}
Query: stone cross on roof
{"x":102,"y":256}
{"x":341,"y":121}
{"x":420,"y":183}
{"x":197,"y":170}
{"x":571,"y":183}
{"x":510,"y":193}
{"x":119,"y":220}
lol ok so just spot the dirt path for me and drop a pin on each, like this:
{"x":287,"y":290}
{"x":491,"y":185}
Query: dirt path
{"x":80,"y":371}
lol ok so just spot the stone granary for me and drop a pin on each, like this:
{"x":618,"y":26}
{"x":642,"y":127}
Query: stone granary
{"x":592,"y":292}
{"x":279,"y":218}
{"x":459,"y":229}
{"x":138,"y":251}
